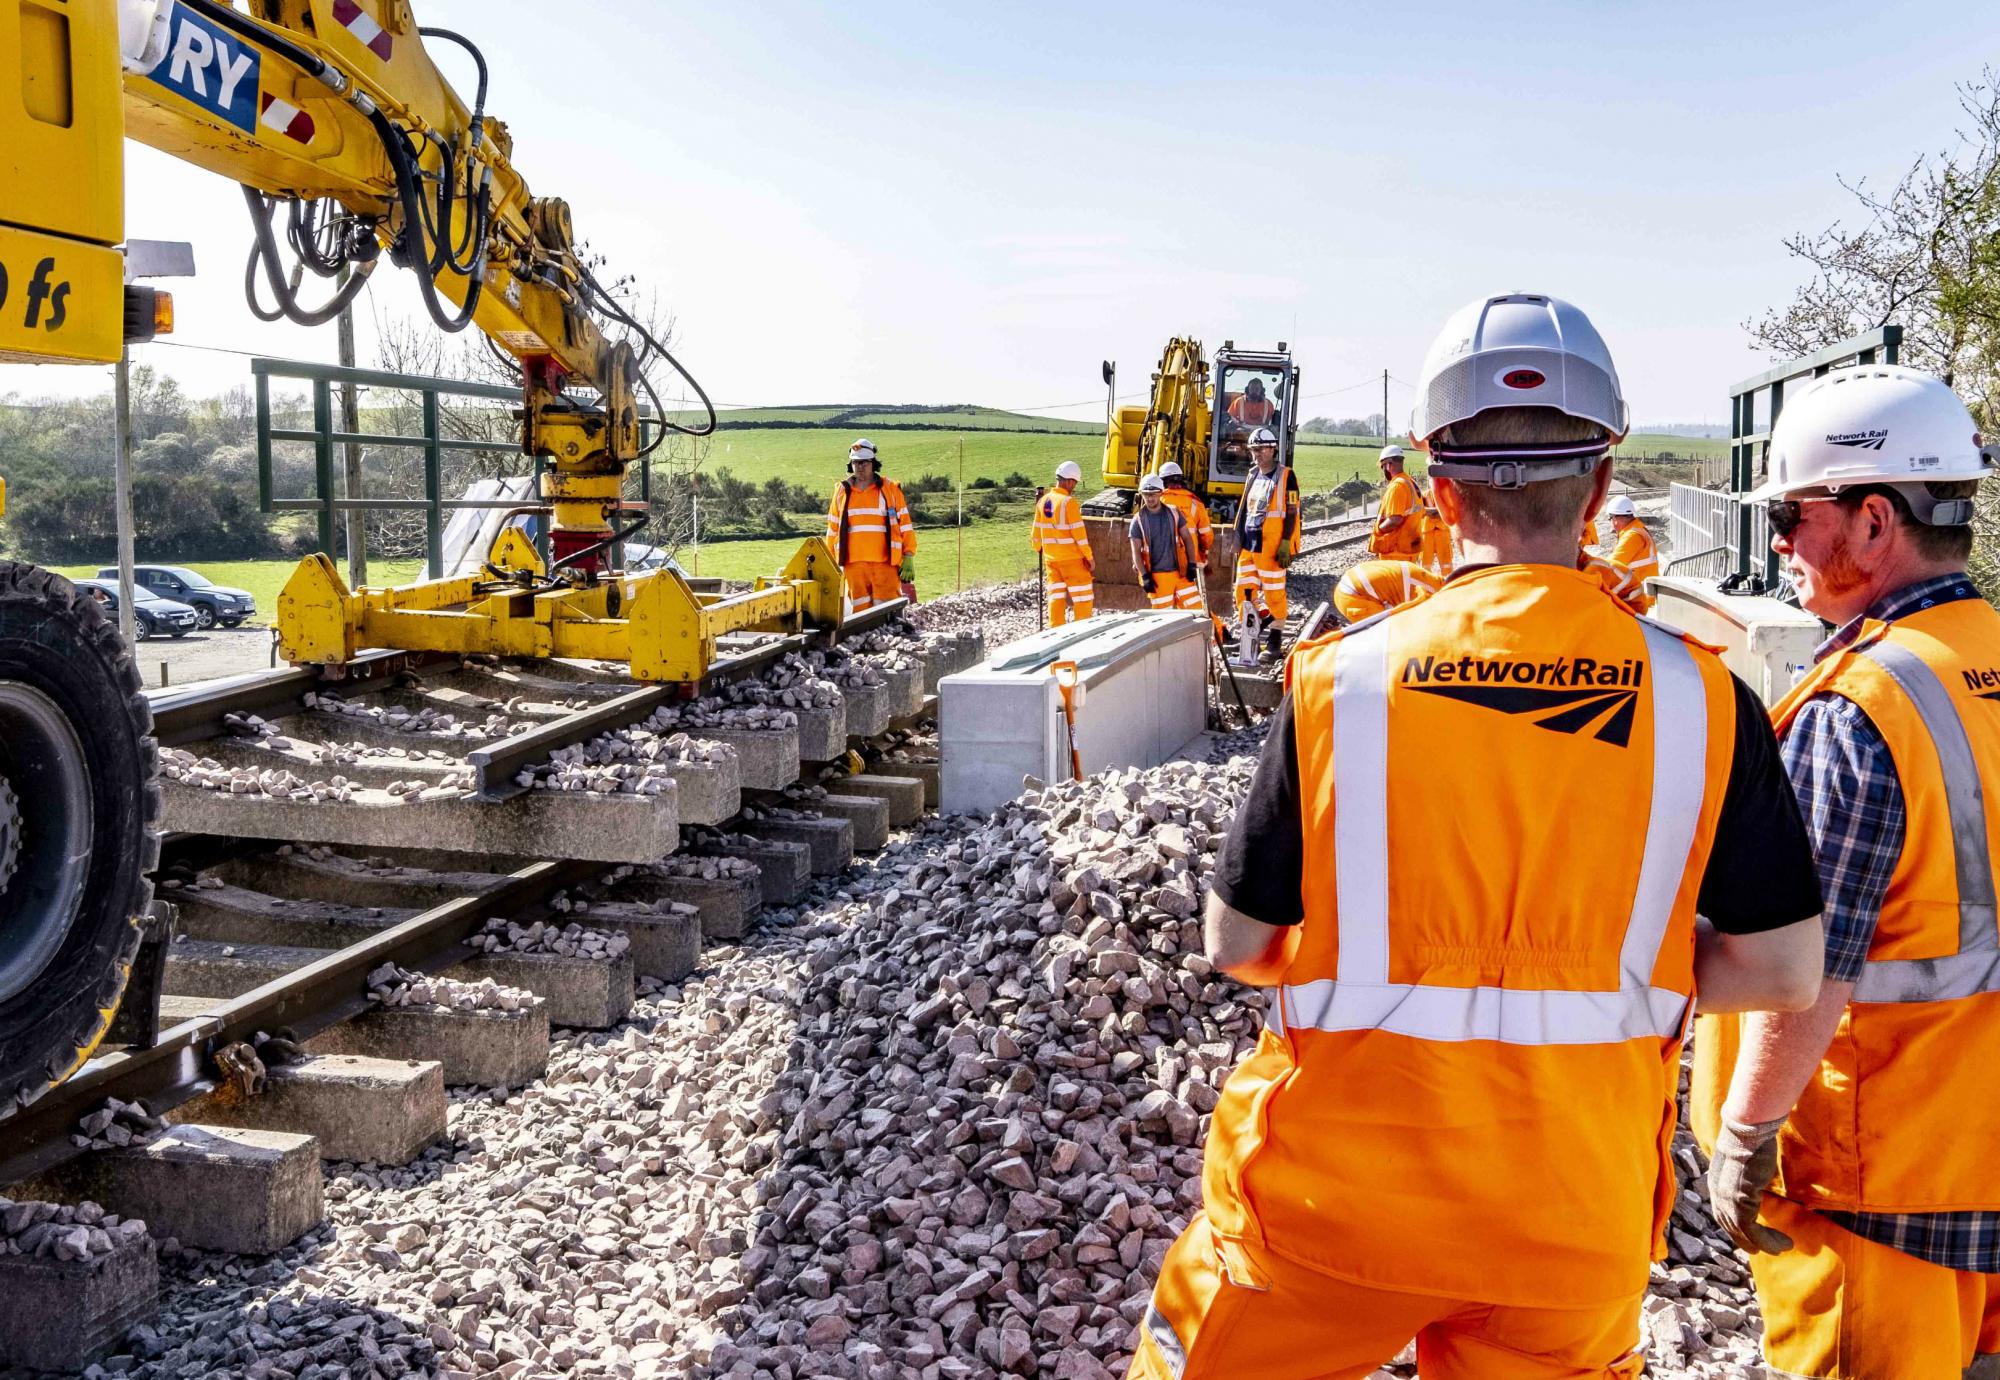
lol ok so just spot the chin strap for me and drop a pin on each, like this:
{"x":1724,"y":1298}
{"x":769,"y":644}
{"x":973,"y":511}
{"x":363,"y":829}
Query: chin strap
{"x":1515,"y":466}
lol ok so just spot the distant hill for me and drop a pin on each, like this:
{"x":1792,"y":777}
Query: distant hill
{"x":895,"y":417}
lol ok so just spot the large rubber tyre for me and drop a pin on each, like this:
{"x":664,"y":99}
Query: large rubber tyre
{"x":78,"y":760}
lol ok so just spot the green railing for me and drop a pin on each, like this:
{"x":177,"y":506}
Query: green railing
{"x":1748,"y":444}
{"x":325,"y":501}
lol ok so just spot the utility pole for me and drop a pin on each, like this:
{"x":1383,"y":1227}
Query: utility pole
{"x":121,"y":457}
{"x":350,"y":422}
{"x":1385,"y":407}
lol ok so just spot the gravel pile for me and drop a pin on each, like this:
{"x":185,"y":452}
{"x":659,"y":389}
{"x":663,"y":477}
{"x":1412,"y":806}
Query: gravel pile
{"x":639,"y":760}
{"x":436,"y":722}
{"x":57,"y":1231}
{"x":395,"y":986}
{"x":500,"y":936}
{"x":273,"y":783}
{"x":1004,"y":613}
{"x":709,"y":869}
{"x":792,"y":683}
{"x":844,"y":668}
{"x":711,"y":712}
{"x":116,"y":1124}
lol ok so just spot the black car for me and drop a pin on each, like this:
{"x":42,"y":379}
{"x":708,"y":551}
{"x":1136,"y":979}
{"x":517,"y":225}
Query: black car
{"x":152,"y":616}
{"x":212,"y":603}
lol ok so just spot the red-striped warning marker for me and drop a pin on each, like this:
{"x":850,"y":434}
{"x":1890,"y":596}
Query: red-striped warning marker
{"x":357,"y":22}
{"x":287,"y":119}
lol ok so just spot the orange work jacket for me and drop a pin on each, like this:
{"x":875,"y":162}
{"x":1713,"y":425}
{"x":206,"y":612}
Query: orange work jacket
{"x":1903,"y":1115}
{"x":870,"y":526}
{"x":1401,"y":499}
{"x":1058,"y":531}
{"x":1373,"y":587}
{"x":1196,"y":513}
{"x":1281,"y":518}
{"x":1434,"y":551}
{"x":1252,"y":411}
{"x":1466,"y":1086}
{"x":1635,"y":551}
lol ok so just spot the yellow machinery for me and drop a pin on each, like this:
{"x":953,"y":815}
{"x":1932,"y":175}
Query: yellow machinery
{"x":337,"y":123}
{"x":1186,"y":422}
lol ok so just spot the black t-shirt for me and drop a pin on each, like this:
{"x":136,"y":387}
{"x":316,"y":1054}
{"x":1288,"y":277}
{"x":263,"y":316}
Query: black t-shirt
{"x":1760,"y":872}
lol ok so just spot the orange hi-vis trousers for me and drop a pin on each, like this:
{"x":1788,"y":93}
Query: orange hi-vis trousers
{"x":870,"y":583}
{"x":1072,"y":597}
{"x":1841,"y":1307}
{"x":1260,"y":581}
{"x":1257,"y":1315}
{"x":1171,"y":591}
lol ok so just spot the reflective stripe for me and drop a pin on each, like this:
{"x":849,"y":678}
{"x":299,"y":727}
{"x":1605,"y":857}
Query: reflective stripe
{"x":1166,"y":1339}
{"x":1975,"y":968}
{"x":1361,"y":997}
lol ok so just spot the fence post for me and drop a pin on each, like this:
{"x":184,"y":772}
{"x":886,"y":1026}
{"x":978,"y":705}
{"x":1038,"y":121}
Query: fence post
{"x":323,"y":459}
{"x":433,"y":485}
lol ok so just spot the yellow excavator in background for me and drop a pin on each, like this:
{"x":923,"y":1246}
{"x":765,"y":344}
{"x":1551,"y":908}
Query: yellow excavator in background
{"x":334,"y":118}
{"x":1203,"y":425}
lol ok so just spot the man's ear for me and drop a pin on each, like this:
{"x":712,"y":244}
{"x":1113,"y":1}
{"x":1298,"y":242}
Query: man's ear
{"x":1599,"y":490}
{"x":1444,"y":493}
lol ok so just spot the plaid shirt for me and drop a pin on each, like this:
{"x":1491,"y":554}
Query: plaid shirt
{"x":1852,"y":802}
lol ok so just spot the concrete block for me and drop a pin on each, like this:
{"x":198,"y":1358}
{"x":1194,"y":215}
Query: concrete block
{"x":867,"y":710}
{"x":784,"y":868}
{"x":62,"y":1315}
{"x":830,"y":842}
{"x":208,"y":968}
{"x":822,"y":733}
{"x":534,"y":824}
{"x":927,"y":713}
{"x":664,"y":946}
{"x":867,"y":816}
{"x":1259,"y":691}
{"x":904,"y":691}
{"x":937,"y":658}
{"x":320,"y":726}
{"x":766,"y":759}
{"x":350,"y":881}
{"x":902,"y":795}
{"x":214,"y":1188}
{"x":928,"y":773}
{"x":726,"y":903}
{"x":482,"y":1049}
{"x":174,"y":1010}
{"x":593,"y":993}
{"x":707,"y":793}
{"x":233,"y":916}
{"x":382,"y":1111}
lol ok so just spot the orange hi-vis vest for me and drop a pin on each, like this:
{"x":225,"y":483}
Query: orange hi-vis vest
{"x":1904,"y":1114}
{"x":1406,"y":541}
{"x":1283,"y":511}
{"x":1058,"y":531}
{"x":1252,"y":411}
{"x":1372,"y":587}
{"x":1196,"y":513}
{"x":1434,"y":550}
{"x":1466,"y":1086}
{"x":870,"y":525}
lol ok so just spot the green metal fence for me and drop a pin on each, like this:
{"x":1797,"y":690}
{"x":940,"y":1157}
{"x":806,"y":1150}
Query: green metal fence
{"x":1749,"y":443}
{"x":326,"y":501}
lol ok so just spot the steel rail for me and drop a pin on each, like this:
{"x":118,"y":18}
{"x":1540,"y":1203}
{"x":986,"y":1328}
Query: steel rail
{"x":181,"y":1065}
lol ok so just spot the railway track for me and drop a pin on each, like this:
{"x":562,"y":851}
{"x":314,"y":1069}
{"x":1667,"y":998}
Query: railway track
{"x":328,"y":837}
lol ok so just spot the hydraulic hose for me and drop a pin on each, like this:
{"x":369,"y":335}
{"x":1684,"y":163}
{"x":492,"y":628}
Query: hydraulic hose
{"x":616,"y":536}
{"x":264,"y":249}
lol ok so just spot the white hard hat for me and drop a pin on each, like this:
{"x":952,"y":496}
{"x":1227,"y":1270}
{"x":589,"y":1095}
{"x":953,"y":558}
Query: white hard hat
{"x":863,"y":449}
{"x":1069,"y":469}
{"x":1389,"y":453}
{"x":1263,"y":436}
{"x":1170,"y":470}
{"x":1621,"y":505}
{"x":1878,"y":424}
{"x":1518,"y":350}
{"x":1152,"y":484}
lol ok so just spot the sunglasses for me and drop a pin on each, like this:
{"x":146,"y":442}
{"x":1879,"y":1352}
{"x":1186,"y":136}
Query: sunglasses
{"x":1785,"y":514}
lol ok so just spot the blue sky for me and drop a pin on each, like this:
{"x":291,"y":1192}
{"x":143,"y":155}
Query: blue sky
{"x":926,"y":203}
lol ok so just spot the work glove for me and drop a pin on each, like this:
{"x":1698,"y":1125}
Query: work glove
{"x":1148,"y":583}
{"x":907,"y":573}
{"x":1739,"y":1174}
{"x":1285,"y":556}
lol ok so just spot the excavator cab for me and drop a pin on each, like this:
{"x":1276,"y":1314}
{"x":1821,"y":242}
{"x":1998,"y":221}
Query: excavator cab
{"x":1254,"y":389}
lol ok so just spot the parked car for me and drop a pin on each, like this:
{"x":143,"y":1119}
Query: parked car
{"x":212,"y":603}
{"x":152,"y":616}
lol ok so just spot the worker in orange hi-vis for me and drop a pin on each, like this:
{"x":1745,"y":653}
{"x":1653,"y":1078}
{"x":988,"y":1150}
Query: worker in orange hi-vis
{"x":1434,"y":541}
{"x":868,"y":526}
{"x":1398,"y":534}
{"x":1855,"y":1146}
{"x":1633,"y":547}
{"x":1179,"y":495}
{"x":1252,"y":407}
{"x":1374,"y":587}
{"x":1267,"y":536}
{"x":1058,"y":535}
{"x":1163,"y":549}
{"x":1457,"y":1123}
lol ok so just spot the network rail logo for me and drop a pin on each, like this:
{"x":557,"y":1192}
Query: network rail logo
{"x":1859,"y":440}
{"x":1568,"y":694}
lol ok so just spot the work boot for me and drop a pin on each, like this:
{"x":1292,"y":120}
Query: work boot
{"x":1274,"y":641}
